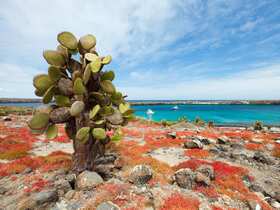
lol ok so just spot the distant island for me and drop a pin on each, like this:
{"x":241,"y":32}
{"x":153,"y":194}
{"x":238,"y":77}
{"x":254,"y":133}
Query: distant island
{"x":159,"y":102}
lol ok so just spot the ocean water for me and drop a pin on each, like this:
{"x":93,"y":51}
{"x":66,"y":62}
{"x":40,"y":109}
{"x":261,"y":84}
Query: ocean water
{"x":219,"y":114}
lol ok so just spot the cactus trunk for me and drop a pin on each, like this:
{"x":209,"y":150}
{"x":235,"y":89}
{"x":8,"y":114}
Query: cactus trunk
{"x":82,"y":159}
{"x":83,"y":156}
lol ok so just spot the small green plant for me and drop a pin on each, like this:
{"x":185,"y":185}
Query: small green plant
{"x":183,"y":119}
{"x":199,"y":122}
{"x":6,"y":110}
{"x":86,"y":100}
{"x":258,"y":126}
{"x":166,"y":123}
{"x":210,"y":124}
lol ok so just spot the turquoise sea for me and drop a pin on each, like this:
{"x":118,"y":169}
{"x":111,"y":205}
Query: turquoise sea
{"x":219,"y":114}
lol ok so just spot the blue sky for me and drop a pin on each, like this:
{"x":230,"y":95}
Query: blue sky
{"x":176,"y":49}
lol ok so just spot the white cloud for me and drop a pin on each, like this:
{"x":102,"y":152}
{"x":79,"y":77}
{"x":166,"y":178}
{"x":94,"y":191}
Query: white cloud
{"x":250,"y":25}
{"x":16,"y":81}
{"x":140,"y":35}
{"x":261,"y":83}
{"x":122,"y":28}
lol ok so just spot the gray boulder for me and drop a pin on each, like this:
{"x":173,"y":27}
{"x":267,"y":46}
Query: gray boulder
{"x":202,"y":179}
{"x":194,"y":144}
{"x":207,"y":170}
{"x":140,"y":174}
{"x":37,"y":199}
{"x":263,"y":158}
{"x":223,"y":140}
{"x":108,"y":205}
{"x":171,"y":135}
{"x":184,"y":178}
{"x":88,"y":179}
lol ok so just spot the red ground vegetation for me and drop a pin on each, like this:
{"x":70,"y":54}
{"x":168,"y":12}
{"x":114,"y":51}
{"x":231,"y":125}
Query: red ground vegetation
{"x":15,"y":142}
{"x":216,"y":208}
{"x":132,"y":154}
{"x":53,"y":161}
{"x":179,"y":202}
{"x":228,"y":181}
{"x":209,"y":134}
{"x":244,"y":134}
{"x":119,"y":194}
{"x":185,"y":133}
{"x":132,"y":132}
{"x":254,"y":146}
{"x":192,"y":164}
{"x":276,"y":150}
{"x":208,"y":191}
{"x":152,"y":143}
{"x":35,"y":184}
{"x":197,"y":153}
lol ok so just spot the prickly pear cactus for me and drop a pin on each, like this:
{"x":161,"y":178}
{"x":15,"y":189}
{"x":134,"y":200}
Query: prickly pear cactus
{"x":82,"y":96}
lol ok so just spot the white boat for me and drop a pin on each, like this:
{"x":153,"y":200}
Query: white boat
{"x":175,"y":107}
{"x":150,"y":114}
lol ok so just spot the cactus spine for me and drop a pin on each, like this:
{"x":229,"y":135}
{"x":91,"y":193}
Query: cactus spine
{"x":85,"y":99}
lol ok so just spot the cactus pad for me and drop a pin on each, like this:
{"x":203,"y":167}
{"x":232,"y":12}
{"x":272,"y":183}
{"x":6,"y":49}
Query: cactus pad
{"x":42,"y":82}
{"x":87,"y":74}
{"x":52,"y":131}
{"x":108,"y":75}
{"x":99,"y":133}
{"x":91,"y":56}
{"x":54,"y":58}
{"x":94,"y":111}
{"x":68,"y":40}
{"x":107,"y":86}
{"x":60,"y":115}
{"x":97,"y":96}
{"x":117,"y":136}
{"x":87,"y":42}
{"x":83,"y":134}
{"x":107,"y":59}
{"x":76,"y":108}
{"x":79,"y":87}
{"x":54,"y":73}
{"x":117,"y":98}
{"x":62,"y":100}
{"x":39,"y":93}
{"x":63,"y":50}
{"x":65,"y":87}
{"x":47,"y":98}
{"x":123,"y":107}
{"x":39,"y":121}
{"x":95,"y":65}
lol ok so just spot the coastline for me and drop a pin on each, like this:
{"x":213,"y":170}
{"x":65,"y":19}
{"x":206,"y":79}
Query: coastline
{"x":162,"y":102}
{"x":25,"y":106}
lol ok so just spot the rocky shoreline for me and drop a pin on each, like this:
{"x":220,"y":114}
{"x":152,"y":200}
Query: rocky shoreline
{"x":18,"y":110}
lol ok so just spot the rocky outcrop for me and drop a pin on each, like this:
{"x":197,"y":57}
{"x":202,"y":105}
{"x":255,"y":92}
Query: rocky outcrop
{"x":185,"y":178}
{"x":88,"y":180}
{"x":140,"y":174}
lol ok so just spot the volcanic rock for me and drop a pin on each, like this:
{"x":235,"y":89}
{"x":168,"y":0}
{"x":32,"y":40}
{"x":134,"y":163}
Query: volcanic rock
{"x":184,"y":178}
{"x":140,"y":174}
{"x":88,"y":179}
{"x":108,"y":205}
{"x":194,"y":144}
